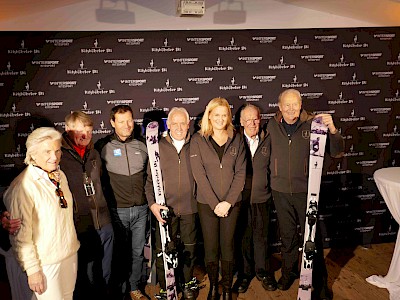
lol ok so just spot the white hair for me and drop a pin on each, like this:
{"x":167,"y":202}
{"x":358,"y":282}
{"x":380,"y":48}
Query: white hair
{"x":37,"y":137}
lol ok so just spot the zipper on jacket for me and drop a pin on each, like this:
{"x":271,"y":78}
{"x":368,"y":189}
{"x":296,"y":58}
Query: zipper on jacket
{"x":220,"y":173}
{"x":290,"y":156}
{"x":179,"y":183}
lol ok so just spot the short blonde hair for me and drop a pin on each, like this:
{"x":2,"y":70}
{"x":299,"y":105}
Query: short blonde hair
{"x":77,"y":115}
{"x":206,"y":128}
{"x":36,"y":138}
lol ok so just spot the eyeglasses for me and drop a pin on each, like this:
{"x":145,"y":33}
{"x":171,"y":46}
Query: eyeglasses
{"x":251,"y":121}
{"x":60,"y":194}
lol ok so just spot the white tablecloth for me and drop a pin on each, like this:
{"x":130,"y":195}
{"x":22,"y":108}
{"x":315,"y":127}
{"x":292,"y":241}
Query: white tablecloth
{"x":388,"y":182}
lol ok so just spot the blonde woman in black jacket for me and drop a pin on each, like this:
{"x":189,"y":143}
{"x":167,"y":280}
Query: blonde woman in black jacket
{"x":218,"y":162}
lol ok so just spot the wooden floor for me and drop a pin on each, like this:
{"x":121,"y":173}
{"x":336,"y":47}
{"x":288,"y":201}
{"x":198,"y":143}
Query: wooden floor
{"x":347,"y":269}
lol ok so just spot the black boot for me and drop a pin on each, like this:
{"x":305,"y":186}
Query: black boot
{"x":227,"y":278}
{"x":212,"y":270}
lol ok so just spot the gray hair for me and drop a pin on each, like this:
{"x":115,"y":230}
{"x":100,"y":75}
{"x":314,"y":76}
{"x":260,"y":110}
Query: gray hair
{"x":249,"y":105}
{"x":289,"y":91}
{"x":175,"y":110}
{"x":37,"y":137}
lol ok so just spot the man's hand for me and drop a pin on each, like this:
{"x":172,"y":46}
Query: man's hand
{"x":222,"y":209}
{"x":155,"y":208}
{"x":37,"y":282}
{"x":328,"y":121}
{"x":11,"y":225}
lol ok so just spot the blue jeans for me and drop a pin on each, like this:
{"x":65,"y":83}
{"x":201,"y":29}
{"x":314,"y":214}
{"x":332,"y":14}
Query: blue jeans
{"x":134,"y":220}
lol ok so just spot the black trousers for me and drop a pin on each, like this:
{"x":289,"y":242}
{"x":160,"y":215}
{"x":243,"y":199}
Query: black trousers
{"x":218,"y":233}
{"x":291,"y":212}
{"x":184,"y":235}
{"x":251,"y":237}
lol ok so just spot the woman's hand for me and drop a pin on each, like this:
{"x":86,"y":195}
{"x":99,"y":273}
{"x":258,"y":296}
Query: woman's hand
{"x":222,"y":209}
{"x":37,"y":282}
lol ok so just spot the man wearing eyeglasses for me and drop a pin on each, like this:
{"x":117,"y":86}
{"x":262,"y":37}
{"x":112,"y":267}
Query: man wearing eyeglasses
{"x":82,"y":165}
{"x":253,"y":257}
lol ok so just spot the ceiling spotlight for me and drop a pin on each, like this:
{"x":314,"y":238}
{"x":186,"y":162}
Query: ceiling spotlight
{"x":191,"y":7}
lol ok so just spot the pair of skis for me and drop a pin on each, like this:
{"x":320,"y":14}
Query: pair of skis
{"x":318,"y":136}
{"x":169,"y":255}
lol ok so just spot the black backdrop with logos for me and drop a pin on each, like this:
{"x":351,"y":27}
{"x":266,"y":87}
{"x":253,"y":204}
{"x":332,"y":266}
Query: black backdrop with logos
{"x":351,"y":73}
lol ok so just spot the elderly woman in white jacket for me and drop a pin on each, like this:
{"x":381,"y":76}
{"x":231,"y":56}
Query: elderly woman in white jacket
{"x":46,"y":244}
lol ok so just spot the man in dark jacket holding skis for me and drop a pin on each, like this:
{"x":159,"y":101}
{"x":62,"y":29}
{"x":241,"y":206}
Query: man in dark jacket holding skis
{"x":180,"y":201}
{"x":290,"y":150}
{"x":82,"y":165}
{"x":253,"y":257}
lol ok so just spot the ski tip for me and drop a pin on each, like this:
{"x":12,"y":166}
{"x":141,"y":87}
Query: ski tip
{"x":152,"y":125}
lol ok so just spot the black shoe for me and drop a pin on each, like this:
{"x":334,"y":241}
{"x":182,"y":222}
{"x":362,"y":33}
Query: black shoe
{"x":269,"y":282}
{"x":261,"y":275}
{"x":285,"y":282}
{"x":321,"y":294}
{"x":244,"y":285}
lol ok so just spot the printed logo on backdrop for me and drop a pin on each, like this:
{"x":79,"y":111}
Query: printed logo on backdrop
{"x":131,"y":41}
{"x":25,"y":134}
{"x":218,"y":66}
{"x":354,"y":81}
{"x":380,"y":110}
{"x":394,"y":62}
{"x":153,"y":107}
{"x":166,"y":48}
{"x":45,"y":63}
{"x":355,"y":43}
{"x":50,"y":104}
{"x":295,"y":45}
{"x":232,"y":46}
{"x":390,"y":231}
{"x":338,"y":171}
{"x":187,"y":100}
{"x":233,"y":86}
{"x":10,"y":72}
{"x":15,"y":154}
{"x":394,"y":133}
{"x":102,"y":129}
{"x":295,"y":83}
{"x":82,"y":70}
{"x":120,"y":102}
{"x":264,"y":78}
{"x":267,"y":116}
{"x":325,"y":76}
{"x":311,"y":95}
{"x":326,"y":38}
{"x":87,"y":110}
{"x":352,"y":152}
{"x":371,"y":128}
{"x":28,"y":92}
{"x":96,"y":48}
{"x":282,"y":65}
{"x":201,"y":80}
{"x":167,"y":88}
{"x":250,"y":59}
{"x":264,"y":39}
{"x":251,"y":98}
{"x":313,"y":57}
{"x":396,"y":97}
{"x":23,"y":49}
{"x":186,"y":60}
{"x":379,"y":145}
{"x":369,"y":93}
{"x":133,"y":82}
{"x":384,"y":36}
{"x":342,"y":63}
{"x":199,"y":40}
{"x":63,"y":84}
{"x":60,"y":125}
{"x":4,"y":127}
{"x":366,"y":163}
{"x":14,"y":113}
{"x":371,"y":56}
{"x":117,"y":62}
{"x":341,"y":100}
{"x":353,"y":117}
{"x":152,"y":68}
{"x":382,"y":74}
{"x":99,"y":90}
{"x":59,"y":42}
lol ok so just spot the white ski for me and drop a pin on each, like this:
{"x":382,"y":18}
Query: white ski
{"x":317,"y":150}
{"x":169,"y":255}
